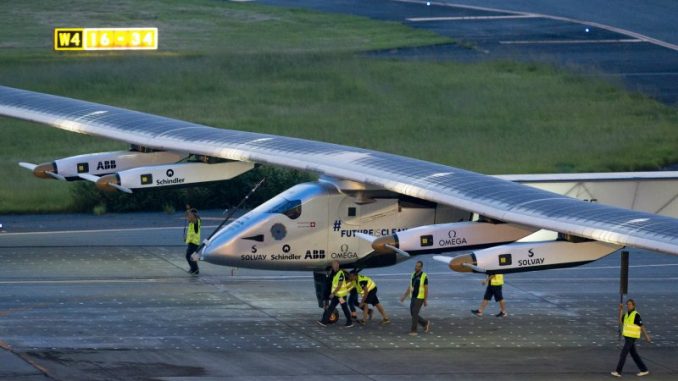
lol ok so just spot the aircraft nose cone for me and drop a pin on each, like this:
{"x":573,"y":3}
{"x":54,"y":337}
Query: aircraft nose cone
{"x":211,"y":253}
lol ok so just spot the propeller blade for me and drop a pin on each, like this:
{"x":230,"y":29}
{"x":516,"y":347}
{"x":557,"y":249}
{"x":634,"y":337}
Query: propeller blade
{"x":474,"y":268}
{"x":120,"y":188}
{"x":88,"y":177}
{"x":55,"y":175}
{"x":29,"y":166}
{"x":442,"y":258}
{"x":401,"y":253}
{"x":366,"y":237}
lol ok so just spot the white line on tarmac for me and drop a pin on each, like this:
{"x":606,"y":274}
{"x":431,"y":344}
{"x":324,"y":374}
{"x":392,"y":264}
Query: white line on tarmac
{"x":462,"y":18}
{"x":85,"y":281}
{"x":557,"y":18}
{"x":543,"y":42}
{"x":98,"y":230}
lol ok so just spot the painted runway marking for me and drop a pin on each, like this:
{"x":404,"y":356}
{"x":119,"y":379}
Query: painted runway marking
{"x":463,"y":18}
{"x":543,"y":42}
{"x":99,"y":230}
{"x":557,"y":18}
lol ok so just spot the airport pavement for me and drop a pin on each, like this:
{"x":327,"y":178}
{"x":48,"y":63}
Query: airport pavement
{"x":594,"y":38}
{"x":93,"y":312}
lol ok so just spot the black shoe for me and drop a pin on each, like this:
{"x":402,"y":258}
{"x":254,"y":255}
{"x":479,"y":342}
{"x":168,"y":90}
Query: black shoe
{"x":477,"y":312}
{"x":501,"y":314}
{"x":320,"y":323}
{"x":349,"y":325}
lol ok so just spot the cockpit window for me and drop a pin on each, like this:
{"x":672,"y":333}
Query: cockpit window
{"x":290,"y":208}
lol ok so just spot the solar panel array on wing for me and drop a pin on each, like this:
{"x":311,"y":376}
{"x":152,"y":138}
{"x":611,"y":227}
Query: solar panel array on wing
{"x":494,"y":197}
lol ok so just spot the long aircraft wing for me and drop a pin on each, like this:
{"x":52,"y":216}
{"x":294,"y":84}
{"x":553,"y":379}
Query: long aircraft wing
{"x":482,"y":194}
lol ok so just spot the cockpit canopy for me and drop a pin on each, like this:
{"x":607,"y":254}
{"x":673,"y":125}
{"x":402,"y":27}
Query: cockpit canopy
{"x":290,"y":208}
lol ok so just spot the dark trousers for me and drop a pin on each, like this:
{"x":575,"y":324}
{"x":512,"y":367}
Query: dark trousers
{"x":415,"y":307}
{"x":353,"y":301}
{"x":332,"y":306}
{"x":190,"y":249}
{"x":630,"y":346}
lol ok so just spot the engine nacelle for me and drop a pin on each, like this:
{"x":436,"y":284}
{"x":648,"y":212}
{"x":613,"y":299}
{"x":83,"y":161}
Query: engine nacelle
{"x":172,"y":175}
{"x":452,"y":237}
{"x":531,"y":256}
{"x":102,"y":163}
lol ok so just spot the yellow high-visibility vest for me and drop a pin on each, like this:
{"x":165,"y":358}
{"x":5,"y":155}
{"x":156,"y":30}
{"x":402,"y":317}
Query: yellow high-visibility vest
{"x":191,"y":235}
{"x":630,"y":328}
{"x":421,"y":292}
{"x":363,"y":278}
{"x":497,"y":280}
{"x":345,"y":287}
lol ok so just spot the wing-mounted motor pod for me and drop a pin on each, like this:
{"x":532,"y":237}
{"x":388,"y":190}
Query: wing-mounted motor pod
{"x":170,"y":175}
{"x":439,"y":238}
{"x":102,"y":163}
{"x":531,"y":256}
{"x":450,"y":237}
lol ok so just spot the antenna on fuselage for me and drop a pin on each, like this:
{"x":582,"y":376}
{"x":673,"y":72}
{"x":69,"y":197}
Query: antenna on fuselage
{"x":231,"y":212}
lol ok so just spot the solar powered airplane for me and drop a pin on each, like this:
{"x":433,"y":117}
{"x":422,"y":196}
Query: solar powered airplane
{"x":368,"y":208}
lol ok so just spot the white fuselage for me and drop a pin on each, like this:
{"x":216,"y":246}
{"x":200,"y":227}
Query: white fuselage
{"x":311,"y":224}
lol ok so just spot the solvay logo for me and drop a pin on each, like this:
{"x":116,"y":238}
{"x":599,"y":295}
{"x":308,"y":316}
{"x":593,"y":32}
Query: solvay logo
{"x":531,"y":253}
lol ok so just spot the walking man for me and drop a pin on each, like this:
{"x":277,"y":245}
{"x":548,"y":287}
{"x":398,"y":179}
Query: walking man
{"x":192,"y":236}
{"x":633,"y":327}
{"x":494,"y":284}
{"x":418,"y":291}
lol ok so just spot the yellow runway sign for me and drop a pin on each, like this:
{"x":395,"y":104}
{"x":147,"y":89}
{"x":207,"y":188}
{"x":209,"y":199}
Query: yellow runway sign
{"x":105,"y":38}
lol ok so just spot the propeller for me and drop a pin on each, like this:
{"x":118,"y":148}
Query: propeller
{"x":383,"y":244}
{"x":42,"y":170}
{"x":104,"y":182}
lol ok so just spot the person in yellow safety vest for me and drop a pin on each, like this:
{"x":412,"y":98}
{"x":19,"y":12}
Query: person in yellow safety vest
{"x":367,"y":289}
{"x":341,"y":287}
{"x":632,"y":328}
{"x":192,"y":238}
{"x":418,"y":291}
{"x":494,"y":284}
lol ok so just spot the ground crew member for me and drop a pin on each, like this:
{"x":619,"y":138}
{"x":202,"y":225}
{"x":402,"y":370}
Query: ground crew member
{"x":367,"y":289}
{"x":418,"y":291}
{"x":341,"y":287}
{"x":192,"y":237}
{"x":632,"y":328}
{"x":494,"y":284}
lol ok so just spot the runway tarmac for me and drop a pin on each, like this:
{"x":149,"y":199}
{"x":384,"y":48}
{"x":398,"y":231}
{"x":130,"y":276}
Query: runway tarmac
{"x":99,"y":312}
{"x":603,"y":39}
{"x":108,"y":298}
